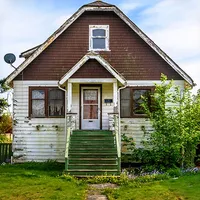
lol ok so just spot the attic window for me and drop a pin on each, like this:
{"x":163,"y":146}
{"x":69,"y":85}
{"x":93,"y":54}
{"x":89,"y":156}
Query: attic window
{"x":99,"y":37}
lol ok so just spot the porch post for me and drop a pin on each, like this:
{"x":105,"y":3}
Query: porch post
{"x":69,"y":94}
{"x":115,"y":99}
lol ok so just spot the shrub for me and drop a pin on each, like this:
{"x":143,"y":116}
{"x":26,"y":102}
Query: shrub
{"x":175,"y":117}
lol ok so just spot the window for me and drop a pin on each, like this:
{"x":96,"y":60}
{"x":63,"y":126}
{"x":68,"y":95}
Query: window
{"x":46,"y":102}
{"x":131,"y":101}
{"x":99,"y":37}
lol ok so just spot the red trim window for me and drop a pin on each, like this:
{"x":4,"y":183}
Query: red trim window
{"x":131,"y":100}
{"x":46,"y":102}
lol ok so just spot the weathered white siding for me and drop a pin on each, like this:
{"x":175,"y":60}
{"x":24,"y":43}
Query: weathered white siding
{"x":30,"y":144}
{"x":76,"y":101}
{"x":107,"y":93}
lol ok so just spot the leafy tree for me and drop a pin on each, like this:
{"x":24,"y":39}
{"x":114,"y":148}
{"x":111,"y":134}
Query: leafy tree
{"x":3,"y":102}
{"x":5,"y":127}
{"x":5,"y":119}
{"x":175,"y":117}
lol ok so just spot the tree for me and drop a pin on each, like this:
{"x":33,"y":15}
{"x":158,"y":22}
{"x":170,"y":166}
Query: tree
{"x":3,"y":102}
{"x":5,"y":119}
{"x":175,"y":117}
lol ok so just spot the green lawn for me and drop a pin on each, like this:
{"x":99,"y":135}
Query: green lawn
{"x":45,"y":181}
{"x":18,"y":183}
{"x":183,"y":188}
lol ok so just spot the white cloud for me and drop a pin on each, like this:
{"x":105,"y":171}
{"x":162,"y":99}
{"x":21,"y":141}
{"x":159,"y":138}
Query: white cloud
{"x":174,"y":25}
{"x":62,"y":19}
{"x":128,"y":6}
{"x":24,"y":26}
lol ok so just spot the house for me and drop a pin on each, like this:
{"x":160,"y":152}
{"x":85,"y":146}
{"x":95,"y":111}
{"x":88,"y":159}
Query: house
{"x":75,"y":94}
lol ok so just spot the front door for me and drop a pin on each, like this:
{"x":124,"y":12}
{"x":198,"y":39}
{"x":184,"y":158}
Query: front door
{"x":90,"y":108}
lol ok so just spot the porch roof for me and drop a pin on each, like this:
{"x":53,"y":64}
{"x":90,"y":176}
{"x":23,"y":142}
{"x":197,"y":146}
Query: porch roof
{"x":101,"y":60}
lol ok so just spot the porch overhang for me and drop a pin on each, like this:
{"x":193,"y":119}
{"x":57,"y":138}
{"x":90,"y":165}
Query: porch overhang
{"x":98,"y":58}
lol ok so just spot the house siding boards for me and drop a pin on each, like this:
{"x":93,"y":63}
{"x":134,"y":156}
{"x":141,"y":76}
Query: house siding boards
{"x":47,"y":143}
{"x":29,"y":143}
{"x":128,"y":54}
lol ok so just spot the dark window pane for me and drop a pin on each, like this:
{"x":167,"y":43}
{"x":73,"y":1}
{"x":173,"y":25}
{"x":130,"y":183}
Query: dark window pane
{"x":38,"y":108}
{"x":56,"y":102}
{"x":99,"y":43}
{"x":55,"y":94}
{"x":56,"y":107}
{"x":38,"y":94}
{"x":99,"y":32}
{"x":125,"y":102}
{"x":137,"y":100}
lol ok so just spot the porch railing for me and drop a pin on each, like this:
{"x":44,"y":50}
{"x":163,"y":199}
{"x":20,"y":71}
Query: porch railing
{"x":114,"y":126}
{"x":71,"y":125}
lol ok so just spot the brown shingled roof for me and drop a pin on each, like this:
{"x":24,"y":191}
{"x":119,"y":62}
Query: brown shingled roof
{"x":99,"y":4}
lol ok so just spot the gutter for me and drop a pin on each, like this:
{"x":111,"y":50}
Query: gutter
{"x":65,"y":109}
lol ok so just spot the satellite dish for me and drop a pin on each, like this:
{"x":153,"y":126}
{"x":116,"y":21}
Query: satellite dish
{"x":9,"y":58}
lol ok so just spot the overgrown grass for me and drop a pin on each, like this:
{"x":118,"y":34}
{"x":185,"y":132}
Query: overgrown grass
{"x":38,"y":181}
{"x":33,"y":181}
{"x":147,"y":188}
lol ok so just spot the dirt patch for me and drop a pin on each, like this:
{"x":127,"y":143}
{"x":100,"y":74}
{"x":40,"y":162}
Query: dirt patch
{"x":95,"y":190}
{"x":97,"y":197}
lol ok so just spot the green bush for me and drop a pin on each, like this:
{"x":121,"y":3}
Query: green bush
{"x":175,"y":117}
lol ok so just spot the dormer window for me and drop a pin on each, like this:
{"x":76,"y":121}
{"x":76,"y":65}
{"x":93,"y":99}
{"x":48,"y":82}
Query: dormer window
{"x":99,"y":38}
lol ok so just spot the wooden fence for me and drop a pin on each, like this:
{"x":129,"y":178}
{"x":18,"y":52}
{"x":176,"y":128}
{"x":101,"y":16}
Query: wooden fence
{"x":5,"y":152}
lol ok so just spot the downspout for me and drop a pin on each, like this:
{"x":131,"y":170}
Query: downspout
{"x":119,"y":111}
{"x":65,"y":109}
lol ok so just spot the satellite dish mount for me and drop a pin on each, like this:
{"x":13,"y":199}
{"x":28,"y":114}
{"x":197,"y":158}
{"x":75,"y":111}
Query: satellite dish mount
{"x":10,"y":59}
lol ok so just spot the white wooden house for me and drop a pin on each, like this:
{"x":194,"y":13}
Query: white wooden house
{"x":83,"y":82}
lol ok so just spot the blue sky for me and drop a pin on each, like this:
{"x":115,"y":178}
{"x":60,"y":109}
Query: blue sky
{"x":174,"y":25}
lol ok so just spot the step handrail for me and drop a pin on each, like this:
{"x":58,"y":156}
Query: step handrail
{"x":114,"y":126}
{"x":67,"y":148}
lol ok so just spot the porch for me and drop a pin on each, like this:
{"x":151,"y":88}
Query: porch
{"x":92,"y":127}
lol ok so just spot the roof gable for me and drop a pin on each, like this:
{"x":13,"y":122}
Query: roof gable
{"x":104,"y":8}
{"x":92,"y":69}
{"x":99,"y":4}
{"x":98,"y":58}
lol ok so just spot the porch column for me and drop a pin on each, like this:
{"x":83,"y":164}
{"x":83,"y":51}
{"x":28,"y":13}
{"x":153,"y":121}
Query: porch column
{"x":69,"y":94}
{"x":115,"y":99}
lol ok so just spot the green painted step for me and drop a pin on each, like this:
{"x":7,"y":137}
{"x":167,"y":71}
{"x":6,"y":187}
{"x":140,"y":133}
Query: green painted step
{"x":93,"y":135}
{"x":85,"y":132}
{"x":104,"y":159}
{"x":91,"y":156}
{"x":92,"y":153}
{"x":93,"y":166}
{"x":90,"y":161}
{"x":93,"y":173}
{"x":91,"y":148}
{"x":74,"y":150}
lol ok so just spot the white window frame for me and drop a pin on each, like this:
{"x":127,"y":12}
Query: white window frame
{"x":93,"y":27}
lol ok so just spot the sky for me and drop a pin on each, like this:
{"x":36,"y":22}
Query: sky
{"x":174,"y":25}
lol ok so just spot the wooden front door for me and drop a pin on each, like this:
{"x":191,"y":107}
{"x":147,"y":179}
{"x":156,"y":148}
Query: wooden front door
{"x":90,"y":108}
